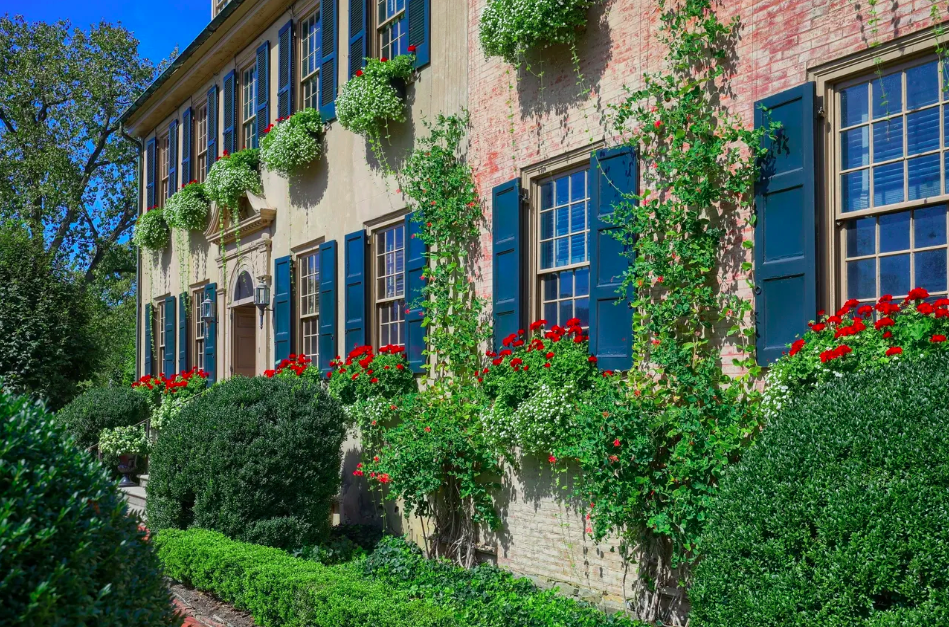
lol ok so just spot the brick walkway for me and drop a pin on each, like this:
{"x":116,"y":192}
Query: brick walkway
{"x":203,"y":610}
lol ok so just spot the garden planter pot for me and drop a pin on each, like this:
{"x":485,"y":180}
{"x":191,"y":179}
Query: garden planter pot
{"x":398,"y":84}
{"x":127,"y":464}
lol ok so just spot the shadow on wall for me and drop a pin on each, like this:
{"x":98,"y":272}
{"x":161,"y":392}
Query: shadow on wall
{"x":397,"y":147}
{"x":361,"y":504}
{"x":308,"y":186}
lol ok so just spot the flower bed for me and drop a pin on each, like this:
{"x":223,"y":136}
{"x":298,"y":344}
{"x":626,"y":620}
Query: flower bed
{"x":291,"y":143}
{"x":166,"y":396}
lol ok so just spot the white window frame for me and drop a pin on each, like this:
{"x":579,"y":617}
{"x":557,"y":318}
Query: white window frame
{"x":201,"y":139}
{"x":309,"y":81}
{"x":164,"y":166}
{"x":198,"y":330}
{"x":248,"y":102}
{"x":308,"y":287}
{"x":394,"y":305}
{"x":385,"y":25}
{"x":159,"y":334}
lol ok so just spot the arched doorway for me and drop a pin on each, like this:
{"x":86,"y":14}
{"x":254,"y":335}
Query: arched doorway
{"x":244,"y":352}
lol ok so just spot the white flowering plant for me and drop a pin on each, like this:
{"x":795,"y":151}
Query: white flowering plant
{"x":151,"y":230}
{"x":123,"y":441}
{"x":232,"y":176}
{"x":188,"y":208}
{"x":368,"y":101}
{"x":292,"y":142}
{"x":540,"y":424}
{"x":509,"y":28}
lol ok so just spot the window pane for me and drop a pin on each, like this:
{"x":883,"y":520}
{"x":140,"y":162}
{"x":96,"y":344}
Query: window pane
{"x":861,"y":237}
{"x":578,"y":253}
{"x":894,"y":275}
{"x":922,"y":85}
{"x":887,"y":140}
{"x":855,"y":148}
{"x":581,"y":310}
{"x":566,"y":284}
{"x":550,"y":287}
{"x":546,"y":195}
{"x":922,"y":131}
{"x":563,"y":190}
{"x":578,"y":217}
{"x":923,"y":176}
{"x":931,"y":270}
{"x":550,"y":314}
{"x":547,"y":255}
{"x":887,"y":95}
{"x":894,"y":232}
{"x":563,"y":220}
{"x":562,"y":251}
{"x":546,"y":225}
{"x":855,"y":190}
{"x":929,"y":226}
{"x":853,"y":105}
{"x":566,"y":310}
{"x":582,"y":281}
{"x":861,"y":279}
{"x":888,"y":184}
{"x":578,"y":185}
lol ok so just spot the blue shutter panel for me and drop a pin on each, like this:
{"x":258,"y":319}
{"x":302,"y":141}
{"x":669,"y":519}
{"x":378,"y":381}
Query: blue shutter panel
{"x":150,"y":174}
{"x":168,"y":359}
{"x":358,"y":41}
{"x":327,"y":339}
{"x":506,"y":256}
{"x":212,"y":128}
{"x":149,"y":342}
{"x":282,"y":308}
{"x":210,"y":335}
{"x":285,"y":70}
{"x":613,"y":173}
{"x":172,"y":158}
{"x":785,"y":230}
{"x":262,"y":121}
{"x":230,"y":113}
{"x":183,"y":332}
{"x":419,"y":13}
{"x":355,"y":303}
{"x":415,"y":263}
{"x":328,"y":77}
{"x":187,"y":128}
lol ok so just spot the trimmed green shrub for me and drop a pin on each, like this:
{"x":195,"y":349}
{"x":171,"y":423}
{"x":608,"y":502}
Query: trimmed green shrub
{"x":484,"y":596}
{"x":69,"y":554}
{"x":838,"y":514}
{"x":278,"y":589}
{"x":256,"y":459}
{"x":102,"y":408}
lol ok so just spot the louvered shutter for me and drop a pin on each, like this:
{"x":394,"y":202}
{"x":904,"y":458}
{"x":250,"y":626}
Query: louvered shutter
{"x":327,"y":339}
{"x":149,"y":342}
{"x":355,"y":303}
{"x":785,"y":230}
{"x":415,"y":261}
{"x":285,"y":70}
{"x":613,"y":174}
{"x":358,"y":41}
{"x":183,"y":332}
{"x":172,"y":158}
{"x":420,"y":30}
{"x":210,"y":335}
{"x":230,"y":113}
{"x":168,"y":359}
{"x":328,"y":77}
{"x":283,"y":309}
{"x":150,"y":197}
{"x":262,"y":120}
{"x":506,"y":256}
{"x":187,"y":129}
{"x":212,"y":128}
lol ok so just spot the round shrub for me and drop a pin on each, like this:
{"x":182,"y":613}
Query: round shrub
{"x":102,"y":408}
{"x":837,"y":515}
{"x":69,"y":554}
{"x":256,"y":459}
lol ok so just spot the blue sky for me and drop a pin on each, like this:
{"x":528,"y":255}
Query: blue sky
{"x":158,"y":25}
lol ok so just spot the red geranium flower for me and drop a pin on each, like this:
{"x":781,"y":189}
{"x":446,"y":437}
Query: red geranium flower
{"x":883,"y":322}
{"x":893,"y":350}
{"x":552,"y":459}
{"x":591,"y":359}
{"x":412,"y":48}
{"x":937,"y":339}
{"x":616,"y":442}
{"x":796,"y":347}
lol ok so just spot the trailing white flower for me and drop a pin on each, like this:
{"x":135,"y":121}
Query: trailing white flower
{"x":539,"y":424}
{"x":169,"y":409}
{"x":188,"y":208}
{"x":123,"y":441}
{"x":509,"y":28}
{"x":368,"y":100}
{"x":233,"y":175}
{"x":291,"y":143}
{"x":151,"y":230}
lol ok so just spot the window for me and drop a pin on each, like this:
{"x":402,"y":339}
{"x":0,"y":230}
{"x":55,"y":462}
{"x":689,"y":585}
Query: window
{"x":219,"y":5}
{"x":390,"y":285}
{"x":201,"y":149}
{"x":159,"y":335}
{"x":310,"y":61}
{"x":890,"y":149}
{"x":309,"y":290}
{"x":249,"y":106}
{"x":563,"y":256}
{"x":163,"y":189}
{"x":392,"y":28}
{"x":198,"y":330}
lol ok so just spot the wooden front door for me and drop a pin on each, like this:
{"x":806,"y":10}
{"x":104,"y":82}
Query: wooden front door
{"x":245,"y":342}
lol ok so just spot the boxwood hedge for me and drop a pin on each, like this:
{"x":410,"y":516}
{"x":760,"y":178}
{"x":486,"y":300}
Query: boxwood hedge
{"x":839,"y":515}
{"x":102,"y":408}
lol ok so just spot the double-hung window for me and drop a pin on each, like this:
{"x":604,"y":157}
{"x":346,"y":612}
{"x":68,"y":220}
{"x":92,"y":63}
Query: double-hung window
{"x":159,"y":335}
{"x":249,"y":107}
{"x":163,"y":166}
{"x":201,"y":148}
{"x":198,"y":330}
{"x":310,"y":61}
{"x":308,"y":269}
{"x":389,"y":296}
{"x":392,"y":28}
{"x":890,"y":150}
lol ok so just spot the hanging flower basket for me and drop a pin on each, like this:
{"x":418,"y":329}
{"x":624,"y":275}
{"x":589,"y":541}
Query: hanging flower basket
{"x":375,"y":96}
{"x":231,"y":176}
{"x":291,"y":143}
{"x":509,"y":28}
{"x":151,"y":230}
{"x":188,"y":208}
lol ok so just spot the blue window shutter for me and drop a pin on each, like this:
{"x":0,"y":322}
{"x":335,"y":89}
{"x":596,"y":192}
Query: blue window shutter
{"x":419,"y":14}
{"x":230,"y":113}
{"x":506,"y":256}
{"x":327,"y":339}
{"x":415,"y":263}
{"x":262,"y":121}
{"x":150,"y":174}
{"x":187,"y":128}
{"x":183,"y":332}
{"x":172,"y":158}
{"x":149,"y":342}
{"x":785,"y":230}
{"x":328,"y":76}
{"x":358,"y":41}
{"x":613,"y":173}
{"x":210,"y":335}
{"x":282,"y":308}
{"x":168,"y":359}
{"x":355,"y":304}
{"x":212,"y":127}
{"x":285,"y":70}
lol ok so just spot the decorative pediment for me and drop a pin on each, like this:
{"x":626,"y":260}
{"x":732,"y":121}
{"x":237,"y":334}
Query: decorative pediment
{"x":254,"y":214}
